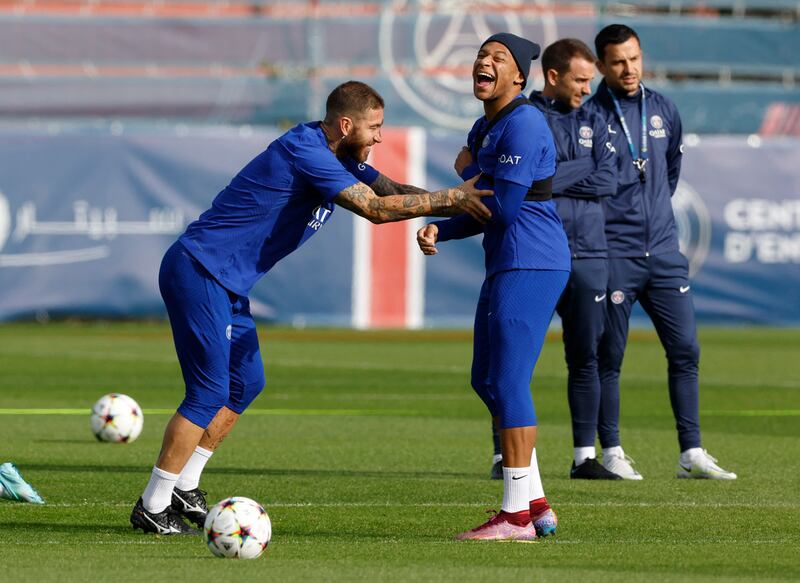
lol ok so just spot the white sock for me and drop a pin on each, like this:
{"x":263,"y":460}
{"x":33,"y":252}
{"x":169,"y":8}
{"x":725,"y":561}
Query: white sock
{"x":158,"y":494}
{"x":615,"y":451}
{"x":536,"y":488}
{"x":582,"y":453}
{"x":498,"y":457}
{"x":190,"y":475}
{"x":516,"y":485}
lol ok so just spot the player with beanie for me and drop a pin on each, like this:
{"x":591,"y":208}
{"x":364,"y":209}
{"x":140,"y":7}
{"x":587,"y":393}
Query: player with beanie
{"x":527,"y":267}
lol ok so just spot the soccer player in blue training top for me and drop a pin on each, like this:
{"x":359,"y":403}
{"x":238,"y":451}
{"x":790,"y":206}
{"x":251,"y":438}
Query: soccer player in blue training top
{"x":587,"y":170}
{"x":527,"y":266}
{"x":269,"y":209}
{"x":644,"y":263}
{"x":14,"y":487}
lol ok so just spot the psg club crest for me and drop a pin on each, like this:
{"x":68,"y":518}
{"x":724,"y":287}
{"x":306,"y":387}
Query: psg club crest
{"x":656,"y":122}
{"x":427,"y":48}
{"x":617,"y":297}
{"x":586,"y":132}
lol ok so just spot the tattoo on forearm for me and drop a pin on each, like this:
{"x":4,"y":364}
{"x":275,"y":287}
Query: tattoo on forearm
{"x":384,"y":186}
{"x":362,"y":200}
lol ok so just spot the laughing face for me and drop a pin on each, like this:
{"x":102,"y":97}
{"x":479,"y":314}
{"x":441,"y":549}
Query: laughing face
{"x":364,"y":132}
{"x":495,"y":73}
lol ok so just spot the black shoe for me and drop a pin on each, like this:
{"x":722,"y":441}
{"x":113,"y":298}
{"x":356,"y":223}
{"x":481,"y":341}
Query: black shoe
{"x":497,"y":471}
{"x":591,"y":469}
{"x":166,"y":522}
{"x":191,"y":504}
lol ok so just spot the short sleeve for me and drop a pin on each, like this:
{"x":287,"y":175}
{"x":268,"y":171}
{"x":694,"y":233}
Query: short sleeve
{"x":361,"y":170}
{"x":323,"y":170}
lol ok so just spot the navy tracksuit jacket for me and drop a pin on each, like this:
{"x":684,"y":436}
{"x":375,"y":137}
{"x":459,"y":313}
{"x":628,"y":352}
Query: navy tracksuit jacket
{"x":587,"y":171}
{"x":645,"y":264}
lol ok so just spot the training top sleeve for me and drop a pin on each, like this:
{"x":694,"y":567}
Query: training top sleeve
{"x":603,"y":180}
{"x":361,"y":170}
{"x":458,"y":227}
{"x":323,"y":170}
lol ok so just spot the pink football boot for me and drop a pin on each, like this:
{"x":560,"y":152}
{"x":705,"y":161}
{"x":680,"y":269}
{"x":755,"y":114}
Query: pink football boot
{"x":545,"y":522}
{"x":499,"y":528}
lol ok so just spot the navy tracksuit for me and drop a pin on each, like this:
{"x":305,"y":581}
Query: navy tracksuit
{"x":587,"y":170}
{"x":645,"y":264}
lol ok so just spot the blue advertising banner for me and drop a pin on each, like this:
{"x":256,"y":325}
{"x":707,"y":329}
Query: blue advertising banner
{"x":85,"y":216}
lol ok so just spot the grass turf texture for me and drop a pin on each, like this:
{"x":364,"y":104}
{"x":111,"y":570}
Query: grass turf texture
{"x":370,"y":452}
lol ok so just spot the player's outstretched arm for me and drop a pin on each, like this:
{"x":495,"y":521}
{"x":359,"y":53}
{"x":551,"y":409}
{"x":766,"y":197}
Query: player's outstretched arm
{"x":385,"y":186}
{"x":465,"y":198}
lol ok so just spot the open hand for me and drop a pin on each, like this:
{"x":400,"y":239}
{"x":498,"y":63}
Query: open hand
{"x":471,"y":202}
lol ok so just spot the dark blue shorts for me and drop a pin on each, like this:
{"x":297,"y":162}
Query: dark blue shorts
{"x":511,"y":321}
{"x":215,"y":338}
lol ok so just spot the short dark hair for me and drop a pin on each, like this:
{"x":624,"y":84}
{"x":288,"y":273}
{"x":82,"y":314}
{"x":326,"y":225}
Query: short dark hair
{"x":613,"y":34}
{"x":351,"y":98}
{"x":559,"y":54}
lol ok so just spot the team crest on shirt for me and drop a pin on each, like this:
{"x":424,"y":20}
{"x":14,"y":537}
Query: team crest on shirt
{"x":318,"y":217}
{"x":585,"y":133}
{"x":485,"y":142}
{"x":617,"y":297}
{"x":658,"y":130}
{"x":228,"y":331}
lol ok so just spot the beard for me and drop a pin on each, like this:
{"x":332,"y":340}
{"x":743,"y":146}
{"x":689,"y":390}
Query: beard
{"x":355,"y":150}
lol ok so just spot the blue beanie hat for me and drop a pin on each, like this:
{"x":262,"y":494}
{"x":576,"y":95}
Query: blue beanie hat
{"x":523,"y":51}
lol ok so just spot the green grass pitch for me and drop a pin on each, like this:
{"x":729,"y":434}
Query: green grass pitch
{"x":370,"y":451}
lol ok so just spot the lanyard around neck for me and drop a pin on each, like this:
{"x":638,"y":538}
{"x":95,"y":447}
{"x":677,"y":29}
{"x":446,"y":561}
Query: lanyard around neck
{"x":638,"y":160}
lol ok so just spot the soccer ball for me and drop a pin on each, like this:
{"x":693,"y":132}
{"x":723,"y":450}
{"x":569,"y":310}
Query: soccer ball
{"x":237,"y":528}
{"x":116,"y":418}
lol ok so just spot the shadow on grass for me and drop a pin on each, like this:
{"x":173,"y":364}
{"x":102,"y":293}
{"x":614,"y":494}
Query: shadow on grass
{"x":80,"y":441}
{"x":50,"y":527}
{"x":314,"y":472}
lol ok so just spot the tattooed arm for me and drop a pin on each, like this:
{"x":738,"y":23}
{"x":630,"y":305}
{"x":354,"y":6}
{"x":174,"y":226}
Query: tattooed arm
{"x":385,"y":186}
{"x":465,"y":198}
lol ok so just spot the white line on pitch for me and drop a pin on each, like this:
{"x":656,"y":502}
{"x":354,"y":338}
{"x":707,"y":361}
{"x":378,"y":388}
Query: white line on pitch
{"x":470,"y":505}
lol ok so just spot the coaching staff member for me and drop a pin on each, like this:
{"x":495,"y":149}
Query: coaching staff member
{"x":644,"y":262}
{"x":587,"y":171}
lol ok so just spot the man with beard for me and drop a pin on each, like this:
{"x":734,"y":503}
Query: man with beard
{"x":644,"y":263}
{"x":269,"y":209}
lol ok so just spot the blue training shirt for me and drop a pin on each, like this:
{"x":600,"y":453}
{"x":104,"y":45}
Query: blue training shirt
{"x":518,"y":150}
{"x":271,"y":207}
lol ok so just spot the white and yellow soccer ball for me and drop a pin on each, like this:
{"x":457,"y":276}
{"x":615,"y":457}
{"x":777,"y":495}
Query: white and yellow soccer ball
{"x":116,"y":418}
{"x":237,"y":528}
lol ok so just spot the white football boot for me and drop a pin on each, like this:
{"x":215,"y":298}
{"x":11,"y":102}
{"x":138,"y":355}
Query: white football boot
{"x":14,"y":487}
{"x":697,"y":463}
{"x":617,"y":462}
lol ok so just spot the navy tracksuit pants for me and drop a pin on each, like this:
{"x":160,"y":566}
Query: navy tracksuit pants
{"x":660,"y":283}
{"x":583,"y":310}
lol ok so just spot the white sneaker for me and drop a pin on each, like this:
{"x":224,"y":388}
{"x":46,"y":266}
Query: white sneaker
{"x":697,"y":463}
{"x":618,"y":463}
